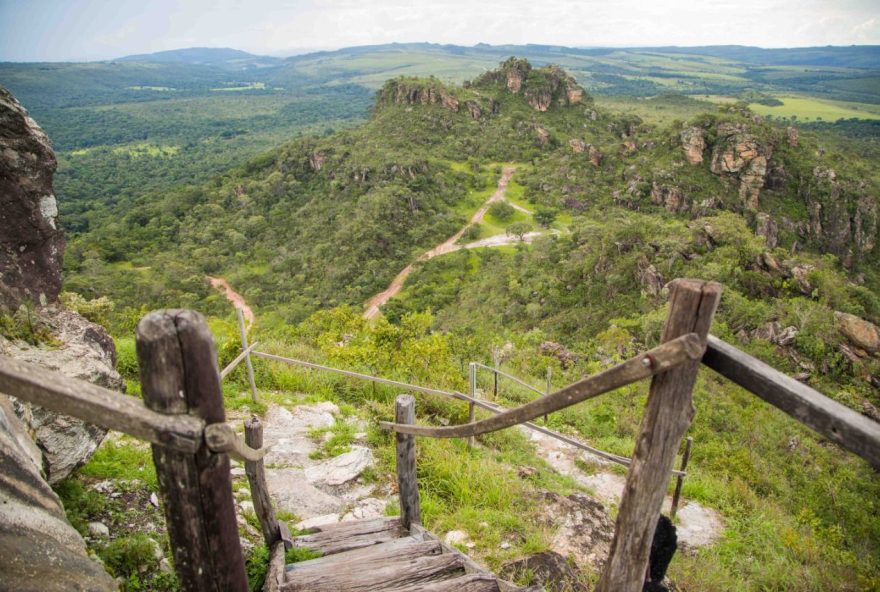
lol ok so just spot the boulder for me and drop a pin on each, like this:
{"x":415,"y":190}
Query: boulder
{"x":31,"y":243}
{"x":41,"y":551}
{"x":548,"y":570}
{"x":859,"y":332}
{"x":86,"y":352}
{"x":594,"y":155}
{"x":577,"y":146}
{"x":792,"y":133}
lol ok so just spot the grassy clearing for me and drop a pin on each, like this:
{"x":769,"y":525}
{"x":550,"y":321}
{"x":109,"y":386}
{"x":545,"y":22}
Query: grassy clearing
{"x":247,"y":86}
{"x":811,"y":109}
{"x":146,"y":149}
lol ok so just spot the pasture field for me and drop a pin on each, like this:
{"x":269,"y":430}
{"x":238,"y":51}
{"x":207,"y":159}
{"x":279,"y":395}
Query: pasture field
{"x":813,"y":109}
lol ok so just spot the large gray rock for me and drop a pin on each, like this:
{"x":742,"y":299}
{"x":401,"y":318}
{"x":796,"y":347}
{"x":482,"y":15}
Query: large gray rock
{"x":85,"y":352}
{"x":39,"y":550}
{"x":31,"y":243}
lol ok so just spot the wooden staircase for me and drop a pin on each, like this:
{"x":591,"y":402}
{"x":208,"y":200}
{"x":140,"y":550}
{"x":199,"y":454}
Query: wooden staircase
{"x":381,"y":555}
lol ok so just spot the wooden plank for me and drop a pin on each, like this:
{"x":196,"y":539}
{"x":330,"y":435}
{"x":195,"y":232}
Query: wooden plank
{"x":242,"y":330}
{"x":668,"y":414}
{"x":838,"y":423}
{"x":99,"y":406}
{"x":345,"y":536}
{"x":468,"y":583}
{"x":232,"y":365}
{"x":407,"y":478}
{"x":377,"y":574}
{"x":470,"y":566}
{"x":179,"y":375}
{"x":275,"y":573}
{"x":395,"y":550}
{"x":253,"y":435}
{"x":675,"y":352}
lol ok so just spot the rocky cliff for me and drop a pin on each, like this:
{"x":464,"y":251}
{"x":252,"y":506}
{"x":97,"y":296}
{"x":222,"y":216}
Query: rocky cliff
{"x":31,"y":244}
{"x":842,"y":213}
{"x":39,"y":550}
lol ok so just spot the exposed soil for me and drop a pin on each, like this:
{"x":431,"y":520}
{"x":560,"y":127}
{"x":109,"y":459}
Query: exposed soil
{"x":448,"y":246}
{"x":234,"y":297}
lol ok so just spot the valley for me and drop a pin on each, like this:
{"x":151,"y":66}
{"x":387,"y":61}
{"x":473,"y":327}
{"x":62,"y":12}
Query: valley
{"x":319,"y":192}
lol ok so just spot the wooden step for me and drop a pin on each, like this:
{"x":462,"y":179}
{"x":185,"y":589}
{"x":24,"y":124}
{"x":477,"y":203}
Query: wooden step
{"x":468,"y":583}
{"x":398,"y":549}
{"x":373,"y":572}
{"x":345,"y":536}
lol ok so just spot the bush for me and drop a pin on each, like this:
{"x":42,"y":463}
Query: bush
{"x":502,"y":210}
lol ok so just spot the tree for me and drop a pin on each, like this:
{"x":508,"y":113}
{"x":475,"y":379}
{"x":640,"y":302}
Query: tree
{"x":519,"y":230}
{"x":502,"y":210}
{"x":545,"y":216}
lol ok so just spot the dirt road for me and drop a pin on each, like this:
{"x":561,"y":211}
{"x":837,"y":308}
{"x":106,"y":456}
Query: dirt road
{"x":234,"y":297}
{"x":448,"y":246}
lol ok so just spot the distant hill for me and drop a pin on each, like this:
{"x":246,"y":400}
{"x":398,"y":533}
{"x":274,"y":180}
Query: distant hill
{"x":218,"y":57}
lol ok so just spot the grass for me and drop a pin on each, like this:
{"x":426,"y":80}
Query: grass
{"x":146,"y":149}
{"x":811,"y":109}
{"x":122,"y":458}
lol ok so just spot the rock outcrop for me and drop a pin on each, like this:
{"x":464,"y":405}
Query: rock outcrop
{"x":739,"y":152}
{"x":84,"y":351}
{"x":843,"y":216}
{"x":767,"y":228}
{"x":31,"y":243}
{"x":414,"y":91}
{"x":670,"y":197}
{"x":541,"y":87}
{"x":41,"y":551}
{"x":693,"y":142}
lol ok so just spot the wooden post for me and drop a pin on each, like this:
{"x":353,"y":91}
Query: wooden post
{"x":247,"y":358}
{"x":549,"y":388}
{"x":253,"y":437}
{"x":407,"y":481}
{"x":179,"y":376}
{"x":679,"y":481}
{"x":668,"y":414}
{"x":472,"y":409}
{"x":495,"y":364}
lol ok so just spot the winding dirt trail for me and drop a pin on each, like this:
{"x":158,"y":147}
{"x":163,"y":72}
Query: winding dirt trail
{"x":234,"y":297}
{"x":448,"y":246}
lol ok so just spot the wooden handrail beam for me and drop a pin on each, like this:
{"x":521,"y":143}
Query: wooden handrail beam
{"x":225,"y":372}
{"x":660,"y":359}
{"x":838,"y":423}
{"x":99,"y":406}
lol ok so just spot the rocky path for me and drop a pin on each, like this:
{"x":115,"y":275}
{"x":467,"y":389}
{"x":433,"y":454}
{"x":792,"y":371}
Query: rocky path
{"x":318,"y":491}
{"x":234,"y":297}
{"x":697,"y":526}
{"x":448,"y":246}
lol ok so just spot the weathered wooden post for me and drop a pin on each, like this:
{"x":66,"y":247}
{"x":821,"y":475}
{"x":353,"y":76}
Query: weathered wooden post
{"x":495,"y":364}
{"x":679,"y":481}
{"x":549,"y":388}
{"x":407,"y":481}
{"x":472,"y":409}
{"x":179,"y":376}
{"x":667,"y":416}
{"x":247,"y":358}
{"x":253,"y":437}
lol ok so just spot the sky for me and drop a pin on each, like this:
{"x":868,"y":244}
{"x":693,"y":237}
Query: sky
{"x":80,"y":30}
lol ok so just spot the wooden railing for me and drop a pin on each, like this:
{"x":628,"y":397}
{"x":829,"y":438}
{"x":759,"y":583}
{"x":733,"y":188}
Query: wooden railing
{"x":673,"y":367}
{"x":182,"y":416}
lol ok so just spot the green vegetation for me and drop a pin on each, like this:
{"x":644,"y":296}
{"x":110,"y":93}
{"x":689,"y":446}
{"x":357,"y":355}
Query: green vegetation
{"x":809,"y":108}
{"x":309,"y":231}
